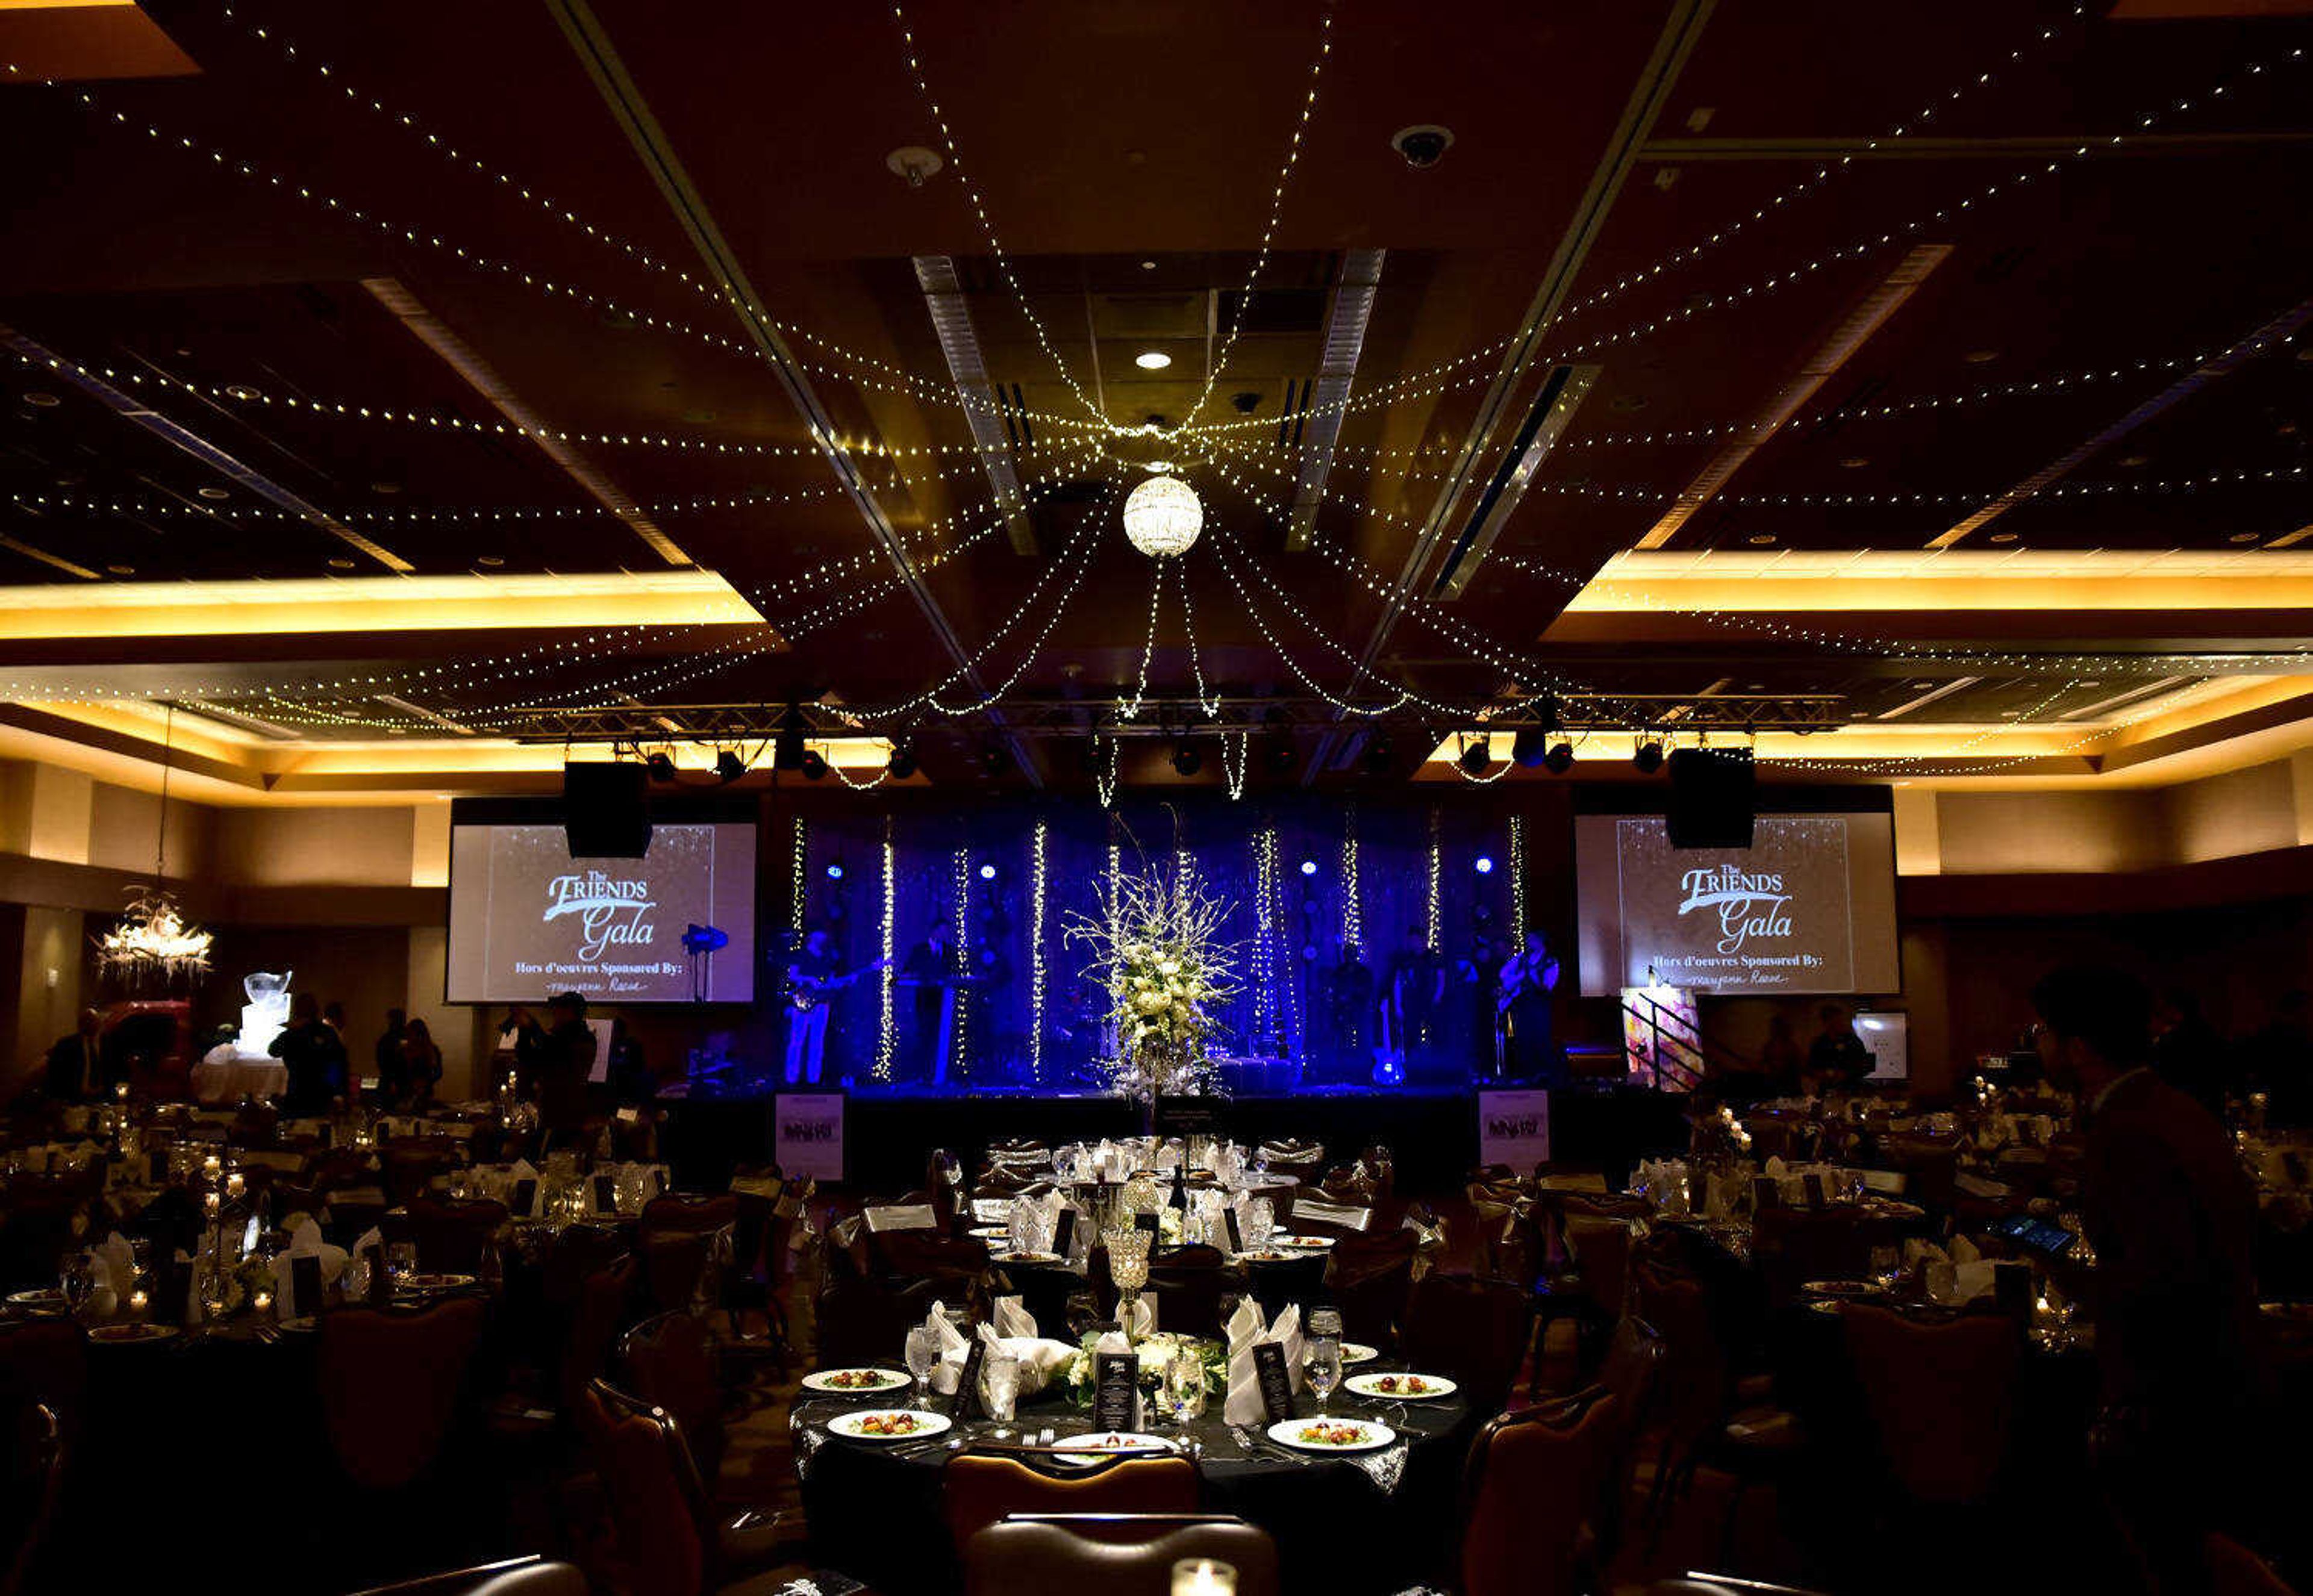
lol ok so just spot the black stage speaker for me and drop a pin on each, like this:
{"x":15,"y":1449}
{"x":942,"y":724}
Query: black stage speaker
{"x":604,"y":812}
{"x":1711,"y":795}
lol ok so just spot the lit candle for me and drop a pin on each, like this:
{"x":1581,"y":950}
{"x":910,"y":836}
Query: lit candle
{"x":210,"y":1167}
{"x":120,"y":1093}
{"x":262,"y":1302}
{"x":234,"y":1184}
{"x":1203,"y":1576}
{"x":137,"y":1301}
{"x":210,"y":1201}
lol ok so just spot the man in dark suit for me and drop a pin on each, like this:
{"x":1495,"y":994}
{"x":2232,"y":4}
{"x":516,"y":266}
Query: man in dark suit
{"x":2173,"y":1221}
{"x":315,"y":1055}
{"x":72,"y":1062}
{"x":566,"y":1092}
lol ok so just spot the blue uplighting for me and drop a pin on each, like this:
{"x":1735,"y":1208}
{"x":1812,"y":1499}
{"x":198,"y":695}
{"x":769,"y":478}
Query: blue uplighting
{"x":1485,"y":863}
{"x":1308,"y":867}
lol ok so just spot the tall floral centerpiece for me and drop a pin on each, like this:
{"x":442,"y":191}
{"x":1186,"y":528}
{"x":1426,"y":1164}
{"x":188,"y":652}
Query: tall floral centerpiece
{"x":1158,"y":952}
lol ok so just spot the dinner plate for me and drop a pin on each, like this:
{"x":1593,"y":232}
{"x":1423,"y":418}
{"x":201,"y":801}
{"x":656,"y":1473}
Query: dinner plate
{"x":1302,"y":1243}
{"x":303,"y":1324}
{"x":1369,"y":1436}
{"x":850,"y":1426}
{"x":1354,"y":1352}
{"x":130,"y":1334}
{"x":1025,"y":1258}
{"x":45,"y":1297}
{"x":1843,"y":1288}
{"x":991,"y":1232}
{"x":1114,"y":1443}
{"x":1434,"y":1387}
{"x":435,"y":1282}
{"x":1271,"y":1255}
{"x":886,"y":1380}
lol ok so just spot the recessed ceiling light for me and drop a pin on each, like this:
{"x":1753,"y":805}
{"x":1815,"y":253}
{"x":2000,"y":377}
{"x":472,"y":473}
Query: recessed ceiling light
{"x":1148,"y":266}
{"x":2003,"y":537}
{"x":385,"y":487}
{"x":1761,"y":539}
{"x":122,"y":570}
{"x":1920,"y":687}
{"x":1160,"y":465}
{"x":1981,"y":356}
{"x":2242,"y":538}
{"x":215,"y":492}
{"x":1152,"y":360}
{"x":1754,"y":686}
{"x":41,"y":400}
{"x":2087,"y":681}
{"x":242,"y":392}
{"x":2010,"y":715}
{"x":489,"y":559}
{"x":1855,"y":461}
{"x":341,"y":564}
{"x":2135,"y":460}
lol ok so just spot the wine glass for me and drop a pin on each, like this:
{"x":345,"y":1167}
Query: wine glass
{"x":922,"y":1355}
{"x":1184,"y":1386}
{"x":1887,"y":1266}
{"x":77,"y":1281}
{"x":401,"y":1260}
{"x":1000,"y":1387}
{"x":1260,"y":1222}
{"x":1322,"y":1368}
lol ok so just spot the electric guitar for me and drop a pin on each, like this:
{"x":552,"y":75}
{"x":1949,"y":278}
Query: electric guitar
{"x":807,"y":992}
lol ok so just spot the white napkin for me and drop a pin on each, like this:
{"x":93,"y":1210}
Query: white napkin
{"x":1143,"y":1322}
{"x":1243,"y":1406}
{"x":1973,"y":1280}
{"x":1039,"y":1358}
{"x":1774,"y":1169}
{"x":304,"y":1241}
{"x":953,"y":1349}
{"x":1964,"y":1251}
{"x":1011,"y":1321}
{"x":113,"y":1270}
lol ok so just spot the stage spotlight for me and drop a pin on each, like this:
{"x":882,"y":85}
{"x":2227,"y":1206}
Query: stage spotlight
{"x":661,"y":767}
{"x":1308,"y":867}
{"x":987,"y":871}
{"x":813,"y":765}
{"x":1649,"y":757}
{"x":1280,"y":757}
{"x":786,"y":754}
{"x":991,"y":760}
{"x":1484,"y":864}
{"x":1376,"y":757}
{"x":835,"y":870}
{"x":729,"y":766}
{"x":1560,"y":759}
{"x":1187,"y":760}
{"x":1476,"y":758}
{"x":1088,"y":756}
{"x":1528,"y":746}
{"x":904,"y":763}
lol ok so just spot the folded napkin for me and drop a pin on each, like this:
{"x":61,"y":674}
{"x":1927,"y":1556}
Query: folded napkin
{"x":1964,"y":1251}
{"x":112,"y":1265}
{"x":899,"y":1217}
{"x":1040,"y":1358}
{"x":948,"y":1372}
{"x":1143,"y":1321}
{"x":1008,"y":1318}
{"x":1243,"y":1406}
{"x":304,"y":1241}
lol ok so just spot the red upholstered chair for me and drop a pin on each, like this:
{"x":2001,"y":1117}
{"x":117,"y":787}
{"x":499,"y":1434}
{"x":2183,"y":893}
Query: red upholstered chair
{"x":671,"y":1542}
{"x":1529,"y":1492}
{"x":669,"y":1361}
{"x":46,"y":1361}
{"x":1370,"y":1279}
{"x":1476,"y":1331}
{"x":1189,"y":1284}
{"x":603,"y":1309}
{"x":391,"y":1382}
{"x":977,"y":1491}
{"x":35,"y":1465}
{"x":2234,"y":1570}
{"x":1941,"y":1399}
{"x":451,"y":1237}
{"x":1126,"y":1554}
{"x":515,"y":1576}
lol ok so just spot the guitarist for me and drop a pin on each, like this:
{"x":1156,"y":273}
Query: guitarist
{"x":813,"y":979}
{"x":1522,"y":1008}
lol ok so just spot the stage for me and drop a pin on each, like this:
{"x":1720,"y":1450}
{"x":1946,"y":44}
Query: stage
{"x":1433,"y":1134}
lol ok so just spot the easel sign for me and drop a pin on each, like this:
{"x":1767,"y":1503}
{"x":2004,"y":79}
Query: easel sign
{"x":808,"y":1135}
{"x":1514,"y":1128}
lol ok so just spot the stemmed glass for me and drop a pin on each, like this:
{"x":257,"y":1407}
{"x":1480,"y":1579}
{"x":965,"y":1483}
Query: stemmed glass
{"x":1127,"y":1266}
{"x":1184,"y":1386}
{"x":922,"y":1355}
{"x":999,"y":1389}
{"x":1260,"y":1222}
{"x":1321,"y":1367}
{"x":78,"y":1282}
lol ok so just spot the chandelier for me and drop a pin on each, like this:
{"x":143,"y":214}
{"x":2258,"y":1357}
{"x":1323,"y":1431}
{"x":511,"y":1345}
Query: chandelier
{"x":154,"y":945}
{"x":1162,"y":516}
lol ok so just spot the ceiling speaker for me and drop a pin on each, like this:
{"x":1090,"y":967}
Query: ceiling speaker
{"x":1713,"y":798}
{"x":605,"y":812}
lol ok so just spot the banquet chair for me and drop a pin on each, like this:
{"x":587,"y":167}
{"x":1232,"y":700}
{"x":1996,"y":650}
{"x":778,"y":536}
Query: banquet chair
{"x":859,"y":1319}
{"x":45,"y":1361}
{"x":1601,"y":1253}
{"x":1630,"y":1376}
{"x":1370,"y":1279}
{"x":1794,"y":1246}
{"x":1118,"y":1554}
{"x":1528,"y":1493}
{"x":978,"y":1490}
{"x":410,"y":1163}
{"x":671,"y":1541}
{"x":1189,"y":1284}
{"x":668,"y":1360}
{"x":1940,"y":1396}
{"x":392,"y":1382}
{"x":35,"y":1465}
{"x":1474,"y":1330}
{"x":514,"y":1576}
{"x":2234,"y":1570}
{"x":451,"y":1236}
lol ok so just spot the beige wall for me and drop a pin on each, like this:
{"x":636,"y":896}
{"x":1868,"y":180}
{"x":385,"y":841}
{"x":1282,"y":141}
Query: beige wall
{"x":314,"y":847}
{"x":1961,"y":832}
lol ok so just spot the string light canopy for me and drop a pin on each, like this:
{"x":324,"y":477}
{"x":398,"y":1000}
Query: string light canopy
{"x":1163,"y":516}
{"x":154,"y":947}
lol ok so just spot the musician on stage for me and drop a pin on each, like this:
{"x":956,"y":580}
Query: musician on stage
{"x":811,"y":974}
{"x":1522,"y":1006}
{"x":930,"y":965}
{"x":1414,"y":1002}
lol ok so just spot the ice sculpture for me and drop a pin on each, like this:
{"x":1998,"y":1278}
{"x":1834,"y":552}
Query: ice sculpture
{"x":266,"y":1014}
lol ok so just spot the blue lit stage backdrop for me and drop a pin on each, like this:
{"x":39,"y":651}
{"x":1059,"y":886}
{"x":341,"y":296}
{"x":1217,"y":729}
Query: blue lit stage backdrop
{"x":1367,"y":937}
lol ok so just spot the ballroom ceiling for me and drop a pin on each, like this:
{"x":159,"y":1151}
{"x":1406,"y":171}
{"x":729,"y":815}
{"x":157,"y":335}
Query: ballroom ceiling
{"x":1943,"y":366}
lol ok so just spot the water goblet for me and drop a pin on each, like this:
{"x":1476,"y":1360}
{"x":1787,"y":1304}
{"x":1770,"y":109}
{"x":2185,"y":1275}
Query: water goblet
{"x":401,"y":1260}
{"x":1259,"y":1222}
{"x":922,"y":1354}
{"x":1322,"y":1368}
{"x":1184,"y":1386}
{"x":1000,"y":1387}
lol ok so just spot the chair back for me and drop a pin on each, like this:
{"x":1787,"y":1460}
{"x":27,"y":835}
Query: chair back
{"x":1691,"y":1393}
{"x":1941,"y":1399}
{"x":451,"y":1237}
{"x":684,"y":1211}
{"x":1116,"y":1554}
{"x":1189,"y":1284}
{"x":514,"y":1576}
{"x":1531,"y":1485}
{"x":1370,"y":1279}
{"x":977,"y":1491}
{"x":600,"y":1311}
{"x":35,"y":1465}
{"x":1796,"y":1245}
{"x":1602,"y":1251}
{"x":45,"y":1361}
{"x":652,"y":1493}
{"x":1474,"y":1330}
{"x":669,"y":1361}
{"x":1630,"y":1374}
{"x":391,"y":1382}
{"x":860,"y":1319}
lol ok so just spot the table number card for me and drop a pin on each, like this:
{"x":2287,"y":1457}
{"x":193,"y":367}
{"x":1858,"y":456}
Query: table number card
{"x":1812,"y":1182}
{"x":606,"y":1194}
{"x":1229,"y":1224}
{"x":1064,"y":1234}
{"x":1766,"y":1192}
{"x":1276,"y":1383}
{"x":380,"y":1281}
{"x":967,"y":1384}
{"x":1116,"y":1389}
{"x":1146,"y":1222}
{"x":304,"y":1286}
{"x":524,"y":1201}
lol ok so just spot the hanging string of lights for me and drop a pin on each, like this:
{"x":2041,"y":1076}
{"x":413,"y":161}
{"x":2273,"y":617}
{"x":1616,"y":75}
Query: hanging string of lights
{"x":1210,"y":702}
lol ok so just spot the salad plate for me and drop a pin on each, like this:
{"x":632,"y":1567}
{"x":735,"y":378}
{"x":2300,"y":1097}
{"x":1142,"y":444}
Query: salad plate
{"x":851,"y":1383}
{"x":1343,"y":1435}
{"x":1400,"y":1387}
{"x":888,"y":1424}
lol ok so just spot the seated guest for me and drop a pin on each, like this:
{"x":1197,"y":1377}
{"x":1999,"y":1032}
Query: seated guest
{"x":568,"y":1062}
{"x":419,"y":1062}
{"x":71,"y":1064}
{"x":315,"y":1055}
{"x":2173,"y":1223}
{"x":1837,"y":1061}
{"x":387,"y":1054}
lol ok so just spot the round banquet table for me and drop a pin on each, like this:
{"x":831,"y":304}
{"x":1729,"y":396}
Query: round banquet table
{"x":229,"y":1079}
{"x":874,"y":1508}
